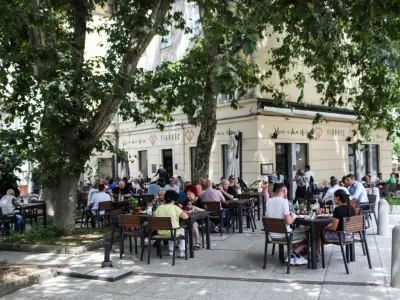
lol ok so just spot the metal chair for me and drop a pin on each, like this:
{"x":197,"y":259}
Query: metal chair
{"x":272,"y":225}
{"x":163,"y":223}
{"x":97,"y":217}
{"x":355,"y":224}
{"x":4,"y":219}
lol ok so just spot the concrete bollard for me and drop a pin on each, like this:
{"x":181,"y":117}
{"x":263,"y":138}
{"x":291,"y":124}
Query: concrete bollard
{"x":383,"y":218}
{"x":395,"y":257}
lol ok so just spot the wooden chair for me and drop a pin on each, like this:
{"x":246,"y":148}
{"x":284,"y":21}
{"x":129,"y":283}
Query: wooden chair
{"x":215,"y":207}
{"x":355,"y":224}
{"x":279,"y":226}
{"x":163,"y":223}
{"x":130,"y":226}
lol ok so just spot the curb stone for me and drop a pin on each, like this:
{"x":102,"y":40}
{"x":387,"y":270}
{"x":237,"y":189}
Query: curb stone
{"x":12,"y":286}
{"x":73,"y":250}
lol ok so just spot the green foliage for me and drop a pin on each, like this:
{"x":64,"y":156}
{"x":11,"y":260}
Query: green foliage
{"x":392,"y":202}
{"x":10,"y":161}
{"x":349,"y":48}
{"x":133,"y":201}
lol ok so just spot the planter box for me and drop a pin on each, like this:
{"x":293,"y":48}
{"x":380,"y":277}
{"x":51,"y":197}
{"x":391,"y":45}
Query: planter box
{"x":74,"y":250}
{"x":396,"y":209}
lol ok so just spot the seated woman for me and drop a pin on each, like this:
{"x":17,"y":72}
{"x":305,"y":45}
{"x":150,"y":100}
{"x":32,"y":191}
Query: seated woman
{"x":174,"y":212}
{"x":343,"y":210}
{"x":192,"y":202}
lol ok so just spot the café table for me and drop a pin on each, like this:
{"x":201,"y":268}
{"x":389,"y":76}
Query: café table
{"x":195,"y":216}
{"x":313,"y":224}
{"x":37,"y":205}
{"x":236,"y":207}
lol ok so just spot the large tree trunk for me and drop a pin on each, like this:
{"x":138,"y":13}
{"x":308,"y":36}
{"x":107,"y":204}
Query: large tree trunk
{"x":206,"y":137}
{"x":61,"y":201}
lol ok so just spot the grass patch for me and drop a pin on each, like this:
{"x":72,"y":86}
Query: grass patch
{"x":53,"y":235}
{"x":392,"y":202}
{"x":10,"y":272}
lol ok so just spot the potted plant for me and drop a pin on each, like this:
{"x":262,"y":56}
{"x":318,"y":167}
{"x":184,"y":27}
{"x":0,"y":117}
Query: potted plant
{"x":135,"y":204}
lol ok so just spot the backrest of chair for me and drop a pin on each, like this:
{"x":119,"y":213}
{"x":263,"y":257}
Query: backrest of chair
{"x":37,"y":201}
{"x":130,"y":221}
{"x":354,"y":224}
{"x":106,"y":205}
{"x":354,"y":203}
{"x":371,"y":198}
{"x":274,"y":225}
{"x":357,"y":211}
{"x":212,"y":206}
{"x":148,"y":198}
{"x":31,"y":199}
{"x":114,"y":214}
{"x":160,"y":223}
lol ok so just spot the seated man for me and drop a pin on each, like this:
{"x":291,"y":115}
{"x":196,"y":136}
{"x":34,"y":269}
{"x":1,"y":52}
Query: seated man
{"x":227,"y":190}
{"x":8,"y":204}
{"x":328,"y":198}
{"x":278,"y":208}
{"x":122,"y":189}
{"x":101,"y":196}
{"x":357,"y":190}
{"x":211,"y":195}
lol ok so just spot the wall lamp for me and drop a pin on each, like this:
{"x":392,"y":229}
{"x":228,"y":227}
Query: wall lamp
{"x":348,"y":139}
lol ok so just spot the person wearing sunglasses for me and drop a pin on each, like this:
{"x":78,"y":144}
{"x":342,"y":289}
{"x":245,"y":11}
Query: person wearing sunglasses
{"x":171,"y":186}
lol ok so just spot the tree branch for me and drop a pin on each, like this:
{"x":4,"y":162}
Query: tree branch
{"x":107,"y":109}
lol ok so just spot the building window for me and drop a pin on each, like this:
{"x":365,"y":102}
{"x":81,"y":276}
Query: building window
{"x":110,"y":8}
{"x":143,"y":164}
{"x":193,"y":154}
{"x":166,"y":40}
{"x":225,"y":160}
{"x":223,"y":98}
{"x":193,"y":18}
{"x":364,"y":160}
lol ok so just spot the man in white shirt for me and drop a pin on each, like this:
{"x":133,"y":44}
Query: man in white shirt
{"x":308,"y":176}
{"x":278,"y":208}
{"x":334,"y":187}
{"x":8,"y":204}
{"x":101,"y":196}
{"x":171,"y":186}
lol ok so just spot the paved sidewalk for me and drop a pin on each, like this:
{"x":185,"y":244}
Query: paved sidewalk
{"x":231,"y":270}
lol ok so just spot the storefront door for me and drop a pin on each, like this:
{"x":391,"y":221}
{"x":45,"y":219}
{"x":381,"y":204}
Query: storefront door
{"x":290,"y":157}
{"x":168,"y":162}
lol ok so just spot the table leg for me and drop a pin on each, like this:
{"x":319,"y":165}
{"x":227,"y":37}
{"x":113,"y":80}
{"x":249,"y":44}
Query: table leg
{"x":259,"y":198}
{"x":313,"y":248}
{"x":352,"y":252}
{"x":23,"y":219}
{"x":264,"y":207}
{"x":44,"y":216}
{"x":208,"y":232}
{"x":240,"y":213}
{"x":191,"y":246}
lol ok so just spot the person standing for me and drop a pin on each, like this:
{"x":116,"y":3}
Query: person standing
{"x":301,"y":185}
{"x":309,"y":176}
{"x":278,"y":177}
{"x":265,"y":188}
{"x":357,"y":190}
{"x":140,"y":174}
{"x":162,"y":175}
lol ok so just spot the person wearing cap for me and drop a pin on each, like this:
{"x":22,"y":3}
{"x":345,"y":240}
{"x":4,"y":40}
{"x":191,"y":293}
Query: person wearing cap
{"x":171,"y":186}
{"x":174,"y":212}
{"x":265,"y":187}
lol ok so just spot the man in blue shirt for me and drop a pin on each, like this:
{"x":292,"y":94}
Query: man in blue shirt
{"x":357,"y":190}
{"x":153,"y":189}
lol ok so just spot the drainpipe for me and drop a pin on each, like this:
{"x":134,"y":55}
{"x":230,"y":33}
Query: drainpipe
{"x":240,"y":156}
{"x":183,"y":150}
{"x":116,"y":142}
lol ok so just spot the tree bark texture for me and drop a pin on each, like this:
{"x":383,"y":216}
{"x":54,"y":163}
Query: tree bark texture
{"x":61,"y":199}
